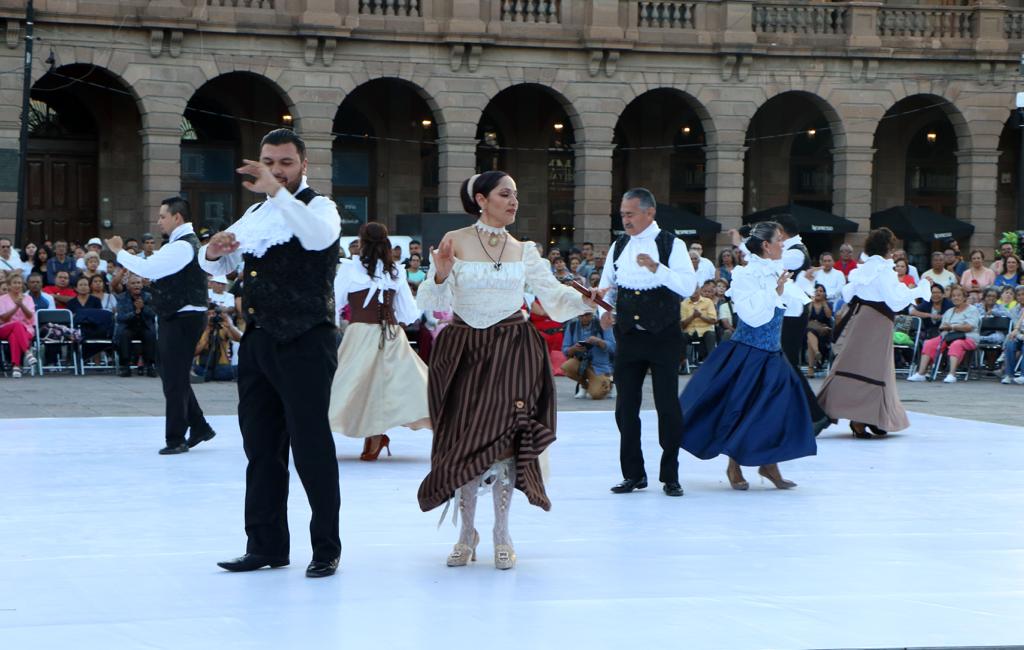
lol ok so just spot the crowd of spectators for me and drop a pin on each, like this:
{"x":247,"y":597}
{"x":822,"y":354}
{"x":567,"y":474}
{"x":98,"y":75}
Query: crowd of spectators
{"x":967,"y":298}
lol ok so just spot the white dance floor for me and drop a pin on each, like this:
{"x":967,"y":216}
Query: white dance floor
{"x":916,"y":540}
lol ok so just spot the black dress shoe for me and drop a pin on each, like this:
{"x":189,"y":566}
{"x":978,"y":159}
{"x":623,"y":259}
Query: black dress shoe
{"x":673,"y":489}
{"x":124,"y":372}
{"x":318,"y":569}
{"x":253,"y":561}
{"x":629,"y":485}
{"x":196,"y":438}
{"x":179,"y":449}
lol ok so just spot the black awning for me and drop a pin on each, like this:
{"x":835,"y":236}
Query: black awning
{"x":680,"y":221}
{"x":810,"y":220}
{"x":910,"y":222}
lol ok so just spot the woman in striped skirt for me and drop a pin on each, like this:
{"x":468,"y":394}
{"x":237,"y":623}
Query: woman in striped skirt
{"x":490,"y":389}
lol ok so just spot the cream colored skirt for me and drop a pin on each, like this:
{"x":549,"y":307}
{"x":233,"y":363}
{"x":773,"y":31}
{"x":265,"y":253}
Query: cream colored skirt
{"x":376,"y":389}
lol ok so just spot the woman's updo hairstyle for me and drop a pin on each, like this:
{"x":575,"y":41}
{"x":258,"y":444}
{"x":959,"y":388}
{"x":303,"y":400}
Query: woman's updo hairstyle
{"x":880,"y":241}
{"x":760,"y":234}
{"x":375,"y":246}
{"x":478,"y":184}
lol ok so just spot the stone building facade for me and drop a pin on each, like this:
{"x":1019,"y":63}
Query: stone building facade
{"x":720,"y":106}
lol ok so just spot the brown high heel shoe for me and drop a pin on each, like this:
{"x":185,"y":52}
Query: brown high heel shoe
{"x":734,"y":470}
{"x":772,"y":473}
{"x":373,"y":445}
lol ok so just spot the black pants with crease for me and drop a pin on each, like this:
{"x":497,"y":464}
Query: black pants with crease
{"x":176,"y":342}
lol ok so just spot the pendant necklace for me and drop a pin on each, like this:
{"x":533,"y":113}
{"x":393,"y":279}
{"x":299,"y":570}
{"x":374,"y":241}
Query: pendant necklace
{"x":495,"y":262}
{"x":495,"y":234}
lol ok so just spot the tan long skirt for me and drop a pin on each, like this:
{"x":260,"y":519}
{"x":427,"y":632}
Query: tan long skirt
{"x":862,"y":383}
{"x":491,"y":391}
{"x":376,"y":389}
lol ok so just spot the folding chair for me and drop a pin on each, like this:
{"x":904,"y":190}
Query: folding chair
{"x":990,"y":325}
{"x":964,"y":368}
{"x":100,"y":325}
{"x":911,"y":326}
{"x":60,"y":317}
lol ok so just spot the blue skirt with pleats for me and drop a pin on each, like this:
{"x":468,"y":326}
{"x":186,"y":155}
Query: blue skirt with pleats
{"x":748,"y":404}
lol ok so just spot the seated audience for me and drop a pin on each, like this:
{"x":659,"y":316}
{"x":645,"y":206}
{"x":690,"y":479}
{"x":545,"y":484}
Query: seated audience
{"x":930,"y":311}
{"x":846,"y":261}
{"x":59,"y":261}
{"x":35,"y":290}
{"x":902,"y":267}
{"x":954,"y":258}
{"x":61,"y":290}
{"x":594,"y":280}
{"x":827,"y":276}
{"x":977,"y":277}
{"x":1005,"y":250}
{"x":135,"y":320}
{"x":698,"y":319}
{"x":1010,"y":277}
{"x":1013,"y":349}
{"x":90,"y":265}
{"x":94,"y":245}
{"x":218,"y":295}
{"x":938,"y":274}
{"x":819,"y":329}
{"x":589,"y":350}
{"x":900,"y":254}
{"x":39,"y":260}
{"x":726,"y":263}
{"x":98,"y":288}
{"x":958,"y":336}
{"x":17,"y":323}
{"x":561,"y":271}
{"x":414,"y":270}
{"x":83,"y":298}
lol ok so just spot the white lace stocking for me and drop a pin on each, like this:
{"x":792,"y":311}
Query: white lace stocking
{"x":467,"y":510}
{"x":502,"y":489}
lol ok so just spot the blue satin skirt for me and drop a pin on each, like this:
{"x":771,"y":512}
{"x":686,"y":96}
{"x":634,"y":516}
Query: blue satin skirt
{"x":748,"y":404}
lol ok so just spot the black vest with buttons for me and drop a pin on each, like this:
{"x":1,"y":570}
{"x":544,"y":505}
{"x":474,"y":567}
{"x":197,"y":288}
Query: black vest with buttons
{"x":185,"y":287}
{"x":290,"y":290}
{"x":652,"y":309}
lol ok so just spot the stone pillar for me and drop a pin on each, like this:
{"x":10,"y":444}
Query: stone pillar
{"x":737,"y":24}
{"x":988,"y":25}
{"x":851,"y":187}
{"x":723,"y":183}
{"x":161,"y":169}
{"x":976,"y":183}
{"x":10,"y":129}
{"x":457,"y":162}
{"x":593,"y":193}
{"x":318,"y":155}
{"x":862,"y":25}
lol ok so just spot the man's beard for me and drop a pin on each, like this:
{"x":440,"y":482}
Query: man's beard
{"x":293,"y":186}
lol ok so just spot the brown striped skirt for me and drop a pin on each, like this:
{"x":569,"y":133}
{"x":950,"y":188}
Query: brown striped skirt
{"x":489,"y":391}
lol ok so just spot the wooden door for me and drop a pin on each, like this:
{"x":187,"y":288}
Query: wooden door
{"x":61,"y":197}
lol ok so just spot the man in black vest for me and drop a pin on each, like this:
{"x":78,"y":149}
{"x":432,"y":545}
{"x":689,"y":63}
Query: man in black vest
{"x":287,"y":358}
{"x":652,"y":271}
{"x":178,"y":287}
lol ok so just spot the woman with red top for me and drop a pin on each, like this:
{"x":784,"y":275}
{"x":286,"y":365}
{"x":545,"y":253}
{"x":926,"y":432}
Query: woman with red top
{"x":17,"y":322}
{"x":903,"y":274}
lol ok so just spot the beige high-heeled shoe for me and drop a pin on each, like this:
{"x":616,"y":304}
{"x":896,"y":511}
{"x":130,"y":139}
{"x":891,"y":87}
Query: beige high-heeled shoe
{"x":463,"y":554}
{"x":772,"y":473}
{"x":504,"y":557}
{"x":732,"y":470}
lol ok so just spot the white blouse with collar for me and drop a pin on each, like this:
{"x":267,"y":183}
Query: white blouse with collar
{"x":482,"y":296}
{"x":754,"y":291}
{"x":875,"y":279}
{"x":352,"y":277}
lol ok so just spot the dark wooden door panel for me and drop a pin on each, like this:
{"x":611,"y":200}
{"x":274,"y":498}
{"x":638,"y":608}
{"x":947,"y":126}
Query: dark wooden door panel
{"x":62,"y":196}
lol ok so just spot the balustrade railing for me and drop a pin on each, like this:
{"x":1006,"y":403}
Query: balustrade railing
{"x":925,"y":22}
{"x":243,"y":4}
{"x":400,"y":8}
{"x":1013,"y":26}
{"x":667,"y":15}
{"x":799,"y":19}
{"x":531,"y":11}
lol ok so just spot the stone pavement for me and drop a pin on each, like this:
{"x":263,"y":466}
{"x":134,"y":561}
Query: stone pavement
{"x":106,"y":395}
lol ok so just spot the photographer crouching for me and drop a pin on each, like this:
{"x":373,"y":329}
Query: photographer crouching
{"x":590,"y":350}
{"x":213,"y":352}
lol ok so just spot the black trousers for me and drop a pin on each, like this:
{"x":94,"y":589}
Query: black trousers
{"x":138,"y":331}
{"x":708,"y":341}
{"x":284,"y":390}
{"x":176,"y":342}
{"x":794,"y":333}
{"x":637,"y":352}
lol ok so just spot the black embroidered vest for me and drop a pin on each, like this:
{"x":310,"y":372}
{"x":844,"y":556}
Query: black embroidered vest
{"x":652,"y":309}
{"x":290,"y":290}
{"x":185,"y":287}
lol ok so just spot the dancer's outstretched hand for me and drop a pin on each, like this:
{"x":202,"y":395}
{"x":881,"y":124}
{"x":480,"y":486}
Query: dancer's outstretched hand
{"x":443,"y":260}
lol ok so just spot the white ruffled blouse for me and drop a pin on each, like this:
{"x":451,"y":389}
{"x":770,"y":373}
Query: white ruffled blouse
{"x":754,"y":290}
{"x":482,"y":296}
{"x":875,"y":279}
{"x":352,"y":277}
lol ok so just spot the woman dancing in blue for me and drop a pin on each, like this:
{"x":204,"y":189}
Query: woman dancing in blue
{"x":746,"y":401}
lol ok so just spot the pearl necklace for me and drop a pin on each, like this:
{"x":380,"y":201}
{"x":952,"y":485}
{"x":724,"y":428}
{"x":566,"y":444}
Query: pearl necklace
{"x":496,"y":233}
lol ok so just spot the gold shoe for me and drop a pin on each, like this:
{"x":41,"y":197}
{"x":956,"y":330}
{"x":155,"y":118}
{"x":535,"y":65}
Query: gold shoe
{"x":737,"y":484}
{"x":772,"y":473}
{"x":504,"y":557}
{"x":462,"y":554}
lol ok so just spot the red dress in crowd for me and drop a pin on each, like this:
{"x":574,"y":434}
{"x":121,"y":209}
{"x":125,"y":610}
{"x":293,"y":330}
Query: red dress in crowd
{"x":552,"y":331}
